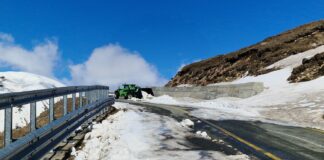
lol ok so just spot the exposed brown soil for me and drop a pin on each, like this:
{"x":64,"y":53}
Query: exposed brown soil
{"x":310,"y":69}
{"x":42,"y":119}
{"x":252,"y":60}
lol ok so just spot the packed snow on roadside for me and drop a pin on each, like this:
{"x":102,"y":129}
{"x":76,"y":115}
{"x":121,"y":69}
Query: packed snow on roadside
{"x":187,"y":123}
{"x":132,"y":134}
{"x":281,"y":102}
{"x":22,"y":81}
{"x":203,"y":134}
{"x":185,"y":85}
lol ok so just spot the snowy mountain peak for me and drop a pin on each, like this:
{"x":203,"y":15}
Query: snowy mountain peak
{"x":23,"y":81}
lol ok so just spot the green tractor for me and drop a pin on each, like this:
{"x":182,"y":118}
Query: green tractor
{"x":128,"y":91}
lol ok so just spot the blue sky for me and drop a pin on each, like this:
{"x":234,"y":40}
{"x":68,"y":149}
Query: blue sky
{"x":165,"y":33}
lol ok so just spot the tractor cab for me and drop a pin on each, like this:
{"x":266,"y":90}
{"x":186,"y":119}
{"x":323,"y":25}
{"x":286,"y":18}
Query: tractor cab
{"x":128,"y":91}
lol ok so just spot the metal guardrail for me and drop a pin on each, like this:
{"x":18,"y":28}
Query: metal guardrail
{"x":93,"y":100}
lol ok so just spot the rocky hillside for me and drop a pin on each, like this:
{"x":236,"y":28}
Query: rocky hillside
{"x":255,"y":59}
{"x":310,"y":69}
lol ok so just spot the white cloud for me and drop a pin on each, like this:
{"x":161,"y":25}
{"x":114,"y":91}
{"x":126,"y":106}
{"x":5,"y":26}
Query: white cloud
{"x":113,"y":65}
{"x":6,"y":37}
{"x":40,"y":60}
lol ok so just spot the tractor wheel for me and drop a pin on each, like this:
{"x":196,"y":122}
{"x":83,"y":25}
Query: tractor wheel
{"x":117,"y":96}
{"x":139,"y":95}
{"x":130,"y":96}
{"x":126,"y":97}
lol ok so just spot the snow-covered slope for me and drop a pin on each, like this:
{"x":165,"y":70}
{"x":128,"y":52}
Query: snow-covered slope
{"x":282,"y":102}
{"x":22,"y":81}
{"x":296,"y":60}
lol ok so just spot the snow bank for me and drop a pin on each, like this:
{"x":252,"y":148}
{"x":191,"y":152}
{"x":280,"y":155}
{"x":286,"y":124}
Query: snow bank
{"x":187,"y":123}
{"x":22,"y":81}
{"x":136,"y":135}
{"x":275,"y":79}
{"x":185,"y":85}
{"x":165,"y":99}
{"x":202,"y":134}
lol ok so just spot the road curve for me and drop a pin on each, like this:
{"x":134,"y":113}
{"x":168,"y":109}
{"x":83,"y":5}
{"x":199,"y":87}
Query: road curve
{"x":257,"y":139}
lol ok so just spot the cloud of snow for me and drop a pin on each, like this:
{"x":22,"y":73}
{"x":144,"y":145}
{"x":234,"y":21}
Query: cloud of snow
{"x":113,"y":65}
{"x":41,"y":59}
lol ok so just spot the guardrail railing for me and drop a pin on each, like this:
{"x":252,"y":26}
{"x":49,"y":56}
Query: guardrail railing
{"x":64,"y":110}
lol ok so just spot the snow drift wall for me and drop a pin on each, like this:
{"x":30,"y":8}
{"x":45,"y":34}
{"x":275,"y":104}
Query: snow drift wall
{"x":212,"y":92}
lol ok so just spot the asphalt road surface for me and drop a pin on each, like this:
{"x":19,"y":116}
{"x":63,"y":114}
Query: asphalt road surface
{"x":256,"y":139}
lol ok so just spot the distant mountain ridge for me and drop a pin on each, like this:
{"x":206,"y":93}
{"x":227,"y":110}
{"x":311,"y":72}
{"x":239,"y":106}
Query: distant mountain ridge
{"x":255,"y":59}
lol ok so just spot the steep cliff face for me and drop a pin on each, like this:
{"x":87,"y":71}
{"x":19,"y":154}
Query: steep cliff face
{"x":253,"y":60}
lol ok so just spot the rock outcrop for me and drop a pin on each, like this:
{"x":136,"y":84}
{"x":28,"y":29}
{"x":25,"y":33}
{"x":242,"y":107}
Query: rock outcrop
{"x":254,"y":59}
{"x":310,"y":69}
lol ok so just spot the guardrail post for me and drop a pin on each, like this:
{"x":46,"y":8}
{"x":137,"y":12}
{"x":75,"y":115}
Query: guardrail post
{"x":73,"y":101}
{"x":8,"y":126}
{"x":87,"y":96}
{"x":32,"y":116}
{"x":94,"y":95}
{"x":97,"y":95}
{"x":65,"y":104}
{"x":91,"y":96}
{"x":80,"y":99}
{"x":51,"y":109}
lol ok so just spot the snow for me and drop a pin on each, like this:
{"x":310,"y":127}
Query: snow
{"x":134,"y":135}
{"x":23,"y":81}
{"x":146,"y":95}
{"x":280,"y":102}
{"x":164,"y":99}
{"x":185,"y":85}
{"x":296,"y":60}
{"x":187,"y":123}
{"x":273,"y":80}
{"x":140,"y":135}
{"x":203,"y":134}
